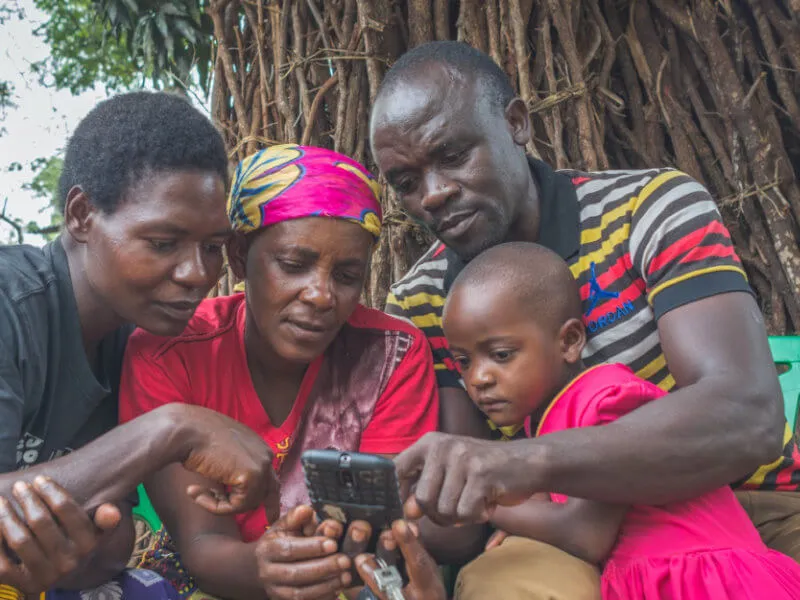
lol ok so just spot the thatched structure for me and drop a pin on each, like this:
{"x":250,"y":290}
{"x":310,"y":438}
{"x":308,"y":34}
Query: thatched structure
{"x":712,"y":87}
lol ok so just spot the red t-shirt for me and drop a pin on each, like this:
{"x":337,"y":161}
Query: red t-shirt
{"x":206,"y":365}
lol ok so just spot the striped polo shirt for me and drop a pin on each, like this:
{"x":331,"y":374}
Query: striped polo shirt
{"x":639,"y":243}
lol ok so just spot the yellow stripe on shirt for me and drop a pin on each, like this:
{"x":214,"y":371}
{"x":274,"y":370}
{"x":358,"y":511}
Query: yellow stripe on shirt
{"x":757,"y":479}
{"x":665,"y":284}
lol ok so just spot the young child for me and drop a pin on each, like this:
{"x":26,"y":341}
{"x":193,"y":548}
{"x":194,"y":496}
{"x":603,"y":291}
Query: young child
{"x":513,"y":323}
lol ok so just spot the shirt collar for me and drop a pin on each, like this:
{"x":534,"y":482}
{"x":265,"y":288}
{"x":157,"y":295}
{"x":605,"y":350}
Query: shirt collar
{"x":559,"y":226}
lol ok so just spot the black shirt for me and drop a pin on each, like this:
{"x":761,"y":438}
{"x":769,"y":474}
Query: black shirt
{"x":51,"y":401}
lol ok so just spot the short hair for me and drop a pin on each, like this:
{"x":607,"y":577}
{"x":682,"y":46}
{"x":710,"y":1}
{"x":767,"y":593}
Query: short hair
{"x":528,"y":273}
{"x":459,"y":56}
{"x":129,"y":135}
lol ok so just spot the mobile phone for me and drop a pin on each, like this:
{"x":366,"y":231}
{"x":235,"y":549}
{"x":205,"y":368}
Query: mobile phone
{"x":352,"y":486}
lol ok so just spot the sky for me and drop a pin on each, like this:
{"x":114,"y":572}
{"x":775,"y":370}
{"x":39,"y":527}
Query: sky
{"x":41,"y":123}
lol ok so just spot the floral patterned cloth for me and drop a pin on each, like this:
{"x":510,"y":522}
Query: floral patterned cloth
{"x":133,"y":584}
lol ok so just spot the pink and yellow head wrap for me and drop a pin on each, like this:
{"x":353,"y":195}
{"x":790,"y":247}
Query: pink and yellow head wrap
{"x":293,"y":182}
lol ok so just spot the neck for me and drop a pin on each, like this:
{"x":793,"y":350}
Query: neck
{"x":265,"y":363}
{"x":568,"y":375}
{"x":525,"y":226}
{"x":96,"y":317}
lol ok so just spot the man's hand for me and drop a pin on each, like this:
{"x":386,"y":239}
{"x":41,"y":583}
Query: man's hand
{"x":232,"y":454}
{"x":461,"y":479}
{"x":50,"y":538}
{"x":424,"y":582}
{"x":298,"y":559}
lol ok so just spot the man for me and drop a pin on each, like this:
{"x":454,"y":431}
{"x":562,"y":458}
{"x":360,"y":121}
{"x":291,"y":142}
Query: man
{"x":143,"y":198}
{"x":663,"y":292}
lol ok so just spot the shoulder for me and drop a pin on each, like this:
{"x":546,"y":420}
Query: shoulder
{"x":600,"y":192}
{"x":426,"y":276}
{"x":599,"y":395}
{"x":213,"y":320}
{"x":24,"y":270}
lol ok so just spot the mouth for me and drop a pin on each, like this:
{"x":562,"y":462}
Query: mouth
{"x":178,"y":311}
{"x":490,"y":405}
{"x":307,"y":330}
{"x":456,"y":225}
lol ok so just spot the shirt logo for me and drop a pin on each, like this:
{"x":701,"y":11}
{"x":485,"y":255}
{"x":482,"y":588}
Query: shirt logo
{"x":596,"y":293}
{"x":596,"y":296}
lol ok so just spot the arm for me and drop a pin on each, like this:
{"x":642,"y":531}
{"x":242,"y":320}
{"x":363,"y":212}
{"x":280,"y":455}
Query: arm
{"x":210,"y":546}
{"x":724,"y":417}
{"x":583,"y":528}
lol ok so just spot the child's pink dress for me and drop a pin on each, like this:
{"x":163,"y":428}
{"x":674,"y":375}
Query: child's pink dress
{"x":706,"y":548}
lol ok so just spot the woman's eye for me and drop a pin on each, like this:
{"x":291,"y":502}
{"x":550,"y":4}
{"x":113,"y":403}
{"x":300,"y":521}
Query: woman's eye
{"x":162,"y":246}
{"x":461,"y":361}
{"x":290,"y":266}
{"x":214,"y":248}
{"x":348,"y":278}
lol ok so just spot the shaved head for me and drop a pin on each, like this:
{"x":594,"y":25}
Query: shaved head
{"x":527,"y":276}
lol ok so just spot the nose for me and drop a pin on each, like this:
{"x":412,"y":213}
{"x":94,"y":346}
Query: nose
{"x":192,"y":271}
{"x":481,"y":377}
{"x":318,"y":293}
{"x":438,"y":189}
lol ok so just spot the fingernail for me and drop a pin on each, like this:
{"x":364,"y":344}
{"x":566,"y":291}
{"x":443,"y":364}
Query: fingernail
{"x":359,"y":535}
{"x":21,"y":487}
{"x":41,"y":480}
{"x":346,"y":578}
{"x":343,"y":562}
{"x":329,"y":546}
{"x":402,"y":528}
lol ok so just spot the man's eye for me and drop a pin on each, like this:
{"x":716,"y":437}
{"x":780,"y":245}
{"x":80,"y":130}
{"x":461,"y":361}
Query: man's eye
{"x":162,"y":246}
{"x":405,"y":185}
{"x":348,"y":278}
{"x":453,"y":159}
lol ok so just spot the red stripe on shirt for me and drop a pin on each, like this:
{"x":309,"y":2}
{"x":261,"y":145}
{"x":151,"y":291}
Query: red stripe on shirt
{"x":684,"y":245}
{"x":715,"y":251}
{"x":438,"y":251}
{"x":611,"y":274}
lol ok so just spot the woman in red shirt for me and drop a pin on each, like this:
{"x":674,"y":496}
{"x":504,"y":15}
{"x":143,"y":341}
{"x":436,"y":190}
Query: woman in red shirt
{"x":296,"y":358}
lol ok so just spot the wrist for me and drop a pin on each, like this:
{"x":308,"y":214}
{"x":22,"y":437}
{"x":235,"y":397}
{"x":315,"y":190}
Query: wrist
{"x":176,"y":430}
{"x":533,"y":458}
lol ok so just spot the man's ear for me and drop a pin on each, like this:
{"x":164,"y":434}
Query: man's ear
{"x":519,"y":121}
{"x":237,"y":255}
{"x":79,"y":214}
{"x":572,"y":338}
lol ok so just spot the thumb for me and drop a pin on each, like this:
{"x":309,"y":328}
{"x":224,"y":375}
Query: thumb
{"x":107,"y":517}
{"x":295,"y":521}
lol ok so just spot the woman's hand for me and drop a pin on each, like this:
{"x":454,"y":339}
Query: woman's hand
{"x":51,"y":537}
{"x":231,"y":454}
{"x":298,"y":559}
{"x":425,"y":582}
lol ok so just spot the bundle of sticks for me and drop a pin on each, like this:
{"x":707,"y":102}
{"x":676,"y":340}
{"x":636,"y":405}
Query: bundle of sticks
{"x":710,"y":87}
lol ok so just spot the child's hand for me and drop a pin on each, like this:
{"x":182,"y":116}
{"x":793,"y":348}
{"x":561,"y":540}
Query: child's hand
{"x":497,"y":538}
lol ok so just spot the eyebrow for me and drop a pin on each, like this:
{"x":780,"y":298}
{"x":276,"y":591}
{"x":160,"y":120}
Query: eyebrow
{"x":171,"y":229}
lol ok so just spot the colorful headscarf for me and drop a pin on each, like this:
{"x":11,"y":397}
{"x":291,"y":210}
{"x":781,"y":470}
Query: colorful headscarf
{"x":292,"y":182}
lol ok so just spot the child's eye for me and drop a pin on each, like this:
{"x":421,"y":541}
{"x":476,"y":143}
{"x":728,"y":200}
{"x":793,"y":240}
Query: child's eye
{"x":462,"y":362}
{"x":503,"y":355}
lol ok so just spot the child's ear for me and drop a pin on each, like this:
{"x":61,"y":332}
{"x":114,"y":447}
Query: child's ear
{"x":572,"y":338}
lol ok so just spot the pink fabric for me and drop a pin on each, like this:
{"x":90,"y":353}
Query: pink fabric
{"x":705,"y":548}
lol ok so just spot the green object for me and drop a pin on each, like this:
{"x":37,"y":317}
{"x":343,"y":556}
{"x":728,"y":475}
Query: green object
{"x":786,"y":352}
{"x":146,"y":512}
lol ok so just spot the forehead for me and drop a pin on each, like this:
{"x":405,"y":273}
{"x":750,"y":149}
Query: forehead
{"x":428,"y":106}
{"x":484,"y":309}
{"x":194,"y":199}
{"x":321,"y":236}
